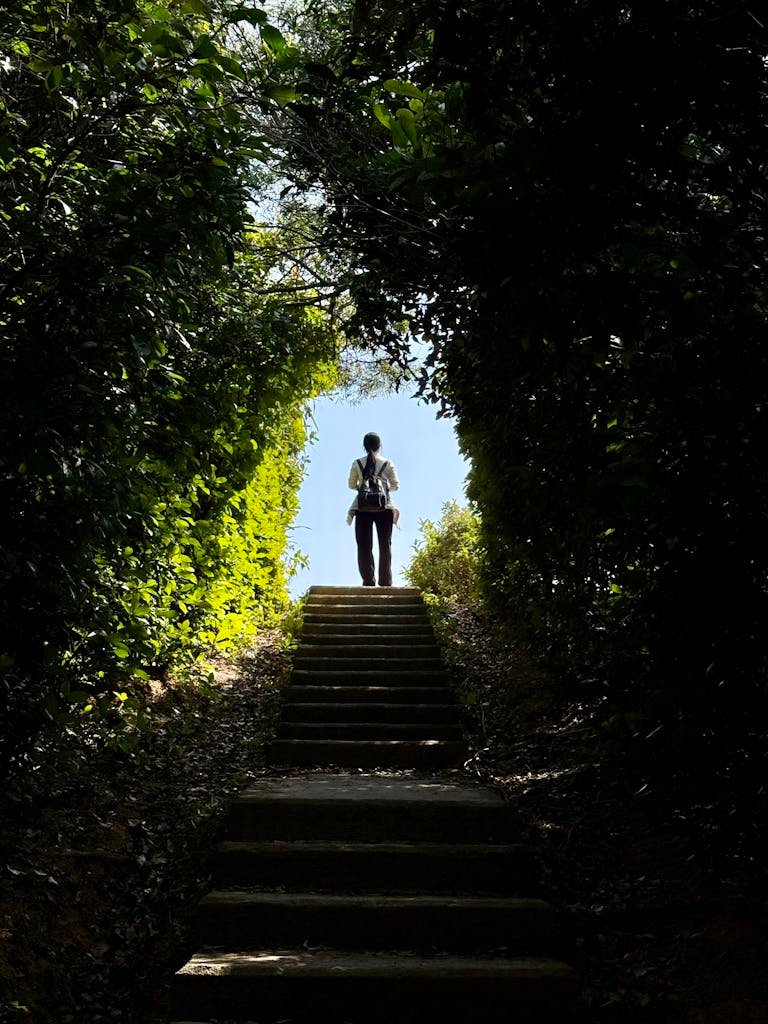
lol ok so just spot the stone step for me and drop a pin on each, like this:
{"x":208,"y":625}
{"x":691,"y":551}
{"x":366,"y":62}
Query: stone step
{"x":372,"y":614}
{"x":363,"y":663}
{"x":369,"y":653}
{"x":424,"y":753}
{"x":413,"y":632}
{"x":319,"y":693}
{"x":237,"y":919}
{"x":334,"y":633}
{"x":368,"y":596}
{"x":366,"y":591}
{"x":381,"y":867}
{"x":370,"y":712}
{"x":372,"y":677}
{"x":368,"y":808}
{"x":369,"y":730}
{"x":325,"y":987}
{"x":374,"y":624}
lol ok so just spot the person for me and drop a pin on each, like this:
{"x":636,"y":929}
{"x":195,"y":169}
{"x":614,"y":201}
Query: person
{"x":366,"y":518}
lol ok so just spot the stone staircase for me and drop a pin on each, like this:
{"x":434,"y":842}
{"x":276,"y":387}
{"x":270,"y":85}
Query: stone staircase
{"x":369,"y":689}
{"x":354,"y":897}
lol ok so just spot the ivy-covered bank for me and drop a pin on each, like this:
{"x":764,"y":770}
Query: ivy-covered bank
{"x":154,"y":363}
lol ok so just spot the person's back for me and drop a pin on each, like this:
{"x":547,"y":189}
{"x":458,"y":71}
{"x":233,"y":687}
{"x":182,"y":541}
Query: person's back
{"x":374,"y":478}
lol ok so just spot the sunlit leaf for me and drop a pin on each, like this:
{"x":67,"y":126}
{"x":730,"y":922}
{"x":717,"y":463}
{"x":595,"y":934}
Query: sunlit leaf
{"x":282,"y":94}
{"x":400,"y":88}
{"x":273,"y":37}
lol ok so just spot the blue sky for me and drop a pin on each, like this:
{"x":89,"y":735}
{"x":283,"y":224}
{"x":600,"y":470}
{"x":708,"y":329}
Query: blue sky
{"x":428,"y":462}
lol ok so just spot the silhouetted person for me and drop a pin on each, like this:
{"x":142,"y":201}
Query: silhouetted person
{"x":373,"y":507}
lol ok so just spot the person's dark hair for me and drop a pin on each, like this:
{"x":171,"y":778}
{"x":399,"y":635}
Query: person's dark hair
{"x":371,"y":442}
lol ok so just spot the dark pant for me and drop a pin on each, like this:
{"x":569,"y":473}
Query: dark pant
{"x":364,"y":536}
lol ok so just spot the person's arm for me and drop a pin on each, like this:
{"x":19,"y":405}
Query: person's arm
{"x":391,"y":474}
{"x":355,"y":476}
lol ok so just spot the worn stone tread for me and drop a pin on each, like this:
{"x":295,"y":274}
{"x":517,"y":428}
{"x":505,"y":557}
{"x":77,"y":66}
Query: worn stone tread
{"x":425,"y":753}
{"x":370,"y":651}
{"x":357,"y":730}
{"x":377,"y":921}
{"x":336,"y":902}
{"x":371,"y":615}
{"x":367,"y":666}
{"x":369,"y":711}
{"x":320,"y":627}
{"x":316,"y":963}
{"x":436,"y":676}
{"x":321,"y":692}
{"x":299,"y":986}
{"x":322,"y":588}
{"x":348,"y":787}
{"x":346,"y":866}
{"x":429,"y":849}
{"x":348,"y":633}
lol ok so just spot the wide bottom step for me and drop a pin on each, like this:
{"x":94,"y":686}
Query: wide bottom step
{"x":369,"y":753}
{"x":334,"y":987}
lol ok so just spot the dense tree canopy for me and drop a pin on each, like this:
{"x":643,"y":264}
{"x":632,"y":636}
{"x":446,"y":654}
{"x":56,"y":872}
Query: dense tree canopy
{"x":568,"y":203}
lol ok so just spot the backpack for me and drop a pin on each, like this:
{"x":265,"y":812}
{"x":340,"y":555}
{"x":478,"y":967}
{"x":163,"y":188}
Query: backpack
{"x":373,"y":492}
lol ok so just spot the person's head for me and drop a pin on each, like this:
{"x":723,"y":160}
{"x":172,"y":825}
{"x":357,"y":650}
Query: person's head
{"x":371,"y":442}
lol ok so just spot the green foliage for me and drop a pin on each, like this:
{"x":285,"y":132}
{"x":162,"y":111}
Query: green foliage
{"x":152,"y":376}
{"x":570,"y":215}
{"x":447,"y":557}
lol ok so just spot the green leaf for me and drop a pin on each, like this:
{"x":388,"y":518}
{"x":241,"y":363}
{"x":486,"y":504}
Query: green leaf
{"x":206,"y":48}
{"x":65,"y":206}
{"x":138,"y":270}
{"x":54,"y":78}
{"x":254,"y":15}
{"x":154,"y":32}
{"x":231,"y":66}
{"x":400,"y":88}
{"x":382,"y":113}
{"x":399,"y":137}
{"x":273,"y":37}
{"x":408,"y":124}
{"x":282,"y":94}
{"x":209,"y":72}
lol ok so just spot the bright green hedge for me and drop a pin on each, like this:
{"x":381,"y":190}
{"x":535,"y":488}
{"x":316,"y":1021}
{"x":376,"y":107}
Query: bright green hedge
{"x":152,"y":378}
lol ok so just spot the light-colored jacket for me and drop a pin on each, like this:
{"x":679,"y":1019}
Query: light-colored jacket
{"x":389,"y":474}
